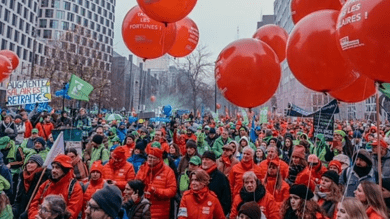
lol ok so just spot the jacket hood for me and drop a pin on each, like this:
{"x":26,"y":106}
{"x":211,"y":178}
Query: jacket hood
{"x":97,"y":166}
{"x":365,"y":155}
{"x":4,"y":142}
{"x":245,"y":139}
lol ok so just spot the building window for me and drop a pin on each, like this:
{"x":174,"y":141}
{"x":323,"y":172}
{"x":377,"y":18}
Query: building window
{"x":29,"y":42}
{"x":9,"y":32}
{"x":93,"y":8}
{"x":70,"y":16}
{"x":56,"y":3}
{"x":65,"y":25}
{"x":23,"y":40}
{"x":75,"y":8}
{"x":19,"y":9}
{"x":25,"y":53}
{"x":45,"y":3}
{"x":82,"y":11}
{"x":21,"y":24}
{"x":54,"y":24}
{"x":67,"y":6}
{"x":60,"y":14}
{"x":85,"y":22}
{"x":25,"y":13}
{"x":49,"y":13}
{"x":18,"y":51}
{"x":4,"y":44}
{"x":47,"y":34}
{"x":14,"y":20}
{"x":2,"y":26}
{"x":27,"y":28}
{"x":12,"y":4}
{"x":31,"y":17}
{"x":6,"y":15}
{"x":42,"y":23}
{"x":78,"y":20}
{"x":87,"y":4}
{"x":11,"y":46}
{"x":16,"y":36}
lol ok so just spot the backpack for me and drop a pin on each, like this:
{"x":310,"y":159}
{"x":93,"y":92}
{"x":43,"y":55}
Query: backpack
{"x":70,"y":189}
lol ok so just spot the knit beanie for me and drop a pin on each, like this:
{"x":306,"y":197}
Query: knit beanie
{"x":40,"y":140}
{"x":332,"y":175}
{"x":191,"y":144}
{"x":343,"y":159}
{"x":250,"y":209}
{"x":156,"y":150}
{"x":141,"y":145}
{"x":340,"y":132}
{"x":364,"y":155}
{"x":301,"y":190}
{"x":37,"y":159}
{"x":210,"y":155}
{"x":299,"y":151}
{"x":131,"y":136}
{"x":212,"y":131}
{"x":98,"y":139}
{"x":97,"y":166}
{"x":109,"y":200}
{"x":335,"y":163}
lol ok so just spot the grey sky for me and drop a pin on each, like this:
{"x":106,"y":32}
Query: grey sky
{"x":217,"y":21}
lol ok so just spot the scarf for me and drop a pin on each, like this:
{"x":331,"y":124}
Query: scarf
{"x":79,"y":168}
{"x":290,"y":214}
{"x":247,"y":165}
{"x":226,"y":160}
{"x":28,"y":178}
{"x":200,"y":195}
{"x":211,"y":169}
{"x":256,"y":196}
{"x":362,"y":171}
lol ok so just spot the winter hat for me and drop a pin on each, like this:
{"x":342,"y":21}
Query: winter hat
{"x":4,"y":142}
{"x":155,"y":150}
{"x":34,"y":131}
{"x":302,"y":191}
{"x":250,"y":209}
{"x":141,"y":145}
{"x":98,"y":139}
{"x":381,"y":143}
{"x":109,"y":200}
{"x":299,"y":151}
{"x":40,"y":140}
{"x":116,"y":139}
{"x":243,"y":128}
{"x":131,"y":136}
{"x":207,"y":127}
{"x":335,"y":163}
{"x":210,"y":155}
{"x":212,"y":131}
{"x":262,"y":148}
{"x":340,"y":132}
{"x":343,"y":159}
{"x":332,"y":175}
{"x":227,"y":147}
{"x":191,"y":144}
{"x":364,"y":155}
{"x":312,"y":158}
{"x":64,"y":161}
{"x":195,"y":160}
{"x":119,"y":152}
{"x":37,"y":159}
{"x":97,"y":166}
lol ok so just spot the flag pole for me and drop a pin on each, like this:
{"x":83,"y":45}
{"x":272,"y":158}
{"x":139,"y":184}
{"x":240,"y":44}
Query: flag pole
{"x":36,"y":187}
{"x":378,"y":136}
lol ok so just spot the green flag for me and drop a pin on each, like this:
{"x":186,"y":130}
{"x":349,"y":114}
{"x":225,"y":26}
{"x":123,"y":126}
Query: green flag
{"x":263,"y":115}
{"x":386,"y":89}
{"x":79,"y":89}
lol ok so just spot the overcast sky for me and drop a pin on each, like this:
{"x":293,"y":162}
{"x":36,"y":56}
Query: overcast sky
{"x":217,"y":21}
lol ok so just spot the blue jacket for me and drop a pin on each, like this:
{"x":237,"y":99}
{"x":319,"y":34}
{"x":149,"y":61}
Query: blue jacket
{"x":354,"y":180}
{"x":121,"y":133}
{"x":137,"y":160}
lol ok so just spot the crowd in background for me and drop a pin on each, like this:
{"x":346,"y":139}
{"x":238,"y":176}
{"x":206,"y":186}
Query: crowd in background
{"x":192,"y":167}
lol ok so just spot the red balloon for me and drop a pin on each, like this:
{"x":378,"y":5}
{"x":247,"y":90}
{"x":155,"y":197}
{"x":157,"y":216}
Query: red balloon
{"x":187,"y":38}
{"x":276,"y":37}
{"x":167,"y":11}
{"x":247,"y":72}
{"x":145,"y":37}
{"x":302,"y":8}
{"x":153,"y":99}
{"x":14,"y":59}
{"x":361,"y":89}
{"x":363,"y":36}
{"x":313,"y":56}
{"x":218,"y":106}
{"x":5,"y":68}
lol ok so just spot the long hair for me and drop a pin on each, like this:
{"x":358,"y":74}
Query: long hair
{"x":374,"y":197}
{"x":177,"y":150}
{"x":335,"y":192}
{"x":58,"y":206}
{"x":354,"y":208}
{"x":279,"y":182}
{"x":306,"y":210}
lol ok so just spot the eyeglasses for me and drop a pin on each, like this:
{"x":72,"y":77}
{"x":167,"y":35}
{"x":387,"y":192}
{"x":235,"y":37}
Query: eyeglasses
{"x":92,"y":207}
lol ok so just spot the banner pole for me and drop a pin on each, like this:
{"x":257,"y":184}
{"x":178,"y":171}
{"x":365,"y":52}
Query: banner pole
{"x":378,"y":136}
{"x":35,"y":189}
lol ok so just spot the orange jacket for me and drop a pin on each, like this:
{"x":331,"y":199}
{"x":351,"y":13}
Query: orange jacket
{"x":282,"y":165}
{"x":44,"y":129}
{"x":93,"y":186}
{"x":271,"y":209}
{"x":29,"y":129}
{"x":181,"y":140}
{"x":279,"y":195}
{"x":306,"y":178}
{"x":162,"y":178}
{"x":121,"y":175}
{"x":74,"y":204}
{"x":207,"y":208}
{"x":164,"y":146}
{"x":235,"y":176}
{"x":372,"y":214}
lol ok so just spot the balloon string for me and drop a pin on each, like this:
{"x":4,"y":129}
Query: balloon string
{"x":307,"y":192}
{"x":162,"y":40}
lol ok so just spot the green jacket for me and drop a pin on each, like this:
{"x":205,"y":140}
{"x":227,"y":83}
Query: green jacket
{"x":43,"y":153}
{"x":202,"y":145}
{"x":4,"y":184}
{"x":184,"y":181}
{"x":11,"y":156}
{"x":320,"y":149}
{"x":7,"y":213}
{"x":218,"y":144}
{"x":100,"y":153}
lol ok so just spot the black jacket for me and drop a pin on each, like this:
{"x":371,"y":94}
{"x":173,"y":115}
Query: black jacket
{"x":23,"y":196}
{"x":219,"y":184}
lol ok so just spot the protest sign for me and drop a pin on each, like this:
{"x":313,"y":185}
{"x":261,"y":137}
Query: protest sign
{"x":324,"y":124}
{"x":28,"y":92}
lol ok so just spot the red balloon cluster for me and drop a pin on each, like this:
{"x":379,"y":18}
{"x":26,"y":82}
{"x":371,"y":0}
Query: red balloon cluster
{"x":276,"y":37}
{"x":157,"y":27}
{"x":302,"y":8}
{"x":9,"y":61}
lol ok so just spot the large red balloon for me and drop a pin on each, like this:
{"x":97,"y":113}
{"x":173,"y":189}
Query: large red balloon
{"x":12,"y":57}
{"x":187,"y":38}
{"x":313,"y":55}
{"x":145,"y":37}
{"x":5,"y":68}
{"x":247,"y":72}
{"x":363,"y":33}
{"x":276,"y":37}
{"x":167,"y":11}
{"x":361,"y":89}
{"x":302,"y":8}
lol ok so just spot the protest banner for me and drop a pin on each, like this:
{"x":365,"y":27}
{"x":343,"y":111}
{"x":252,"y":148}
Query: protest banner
{"x":324,"y":124}
{"x":28,"y":92}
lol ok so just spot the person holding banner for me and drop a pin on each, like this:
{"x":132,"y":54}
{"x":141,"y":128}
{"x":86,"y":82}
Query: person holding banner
{"x":62,"y":183}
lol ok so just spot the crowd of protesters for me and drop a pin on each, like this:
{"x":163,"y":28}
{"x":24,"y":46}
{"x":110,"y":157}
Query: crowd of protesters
{"x":192,"y":167}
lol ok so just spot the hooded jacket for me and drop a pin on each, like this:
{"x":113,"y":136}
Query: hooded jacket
{"x":61,"y":187}
{"x":320,"y":149}
{"x":181,"y":140}
{"x":92,"y":186}
{"x":282,"y":165}
{"x":235,"y":176}
{"x":139,"y":210}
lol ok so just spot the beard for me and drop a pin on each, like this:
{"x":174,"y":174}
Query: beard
{"x":362,"y":171}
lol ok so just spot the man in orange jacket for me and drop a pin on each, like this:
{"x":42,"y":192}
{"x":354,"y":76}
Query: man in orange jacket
{"x":160,"y":182}
{"x":45,"y":127}
{"x":158,"y":137}
{"x":181,"y":140}
{"x":95,"y":183}
{"x":272,"y":154}
{"x":61,"y":183}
